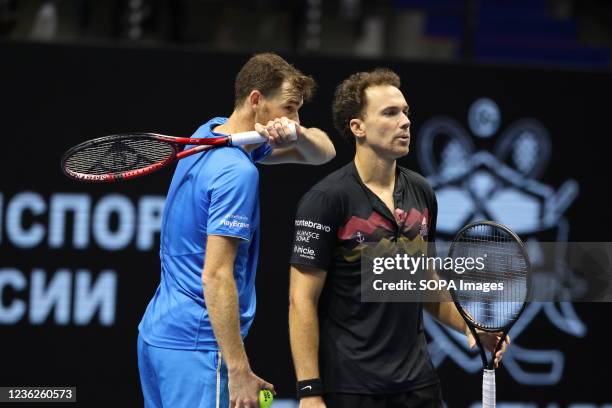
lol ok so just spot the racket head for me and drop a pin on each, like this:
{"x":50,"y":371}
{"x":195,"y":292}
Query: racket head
{"x":506,"y":261}
{"x":119,"y":157}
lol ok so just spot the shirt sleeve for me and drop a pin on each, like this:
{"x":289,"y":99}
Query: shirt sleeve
{"x":233,"y":200}
{"x":315,"y":230}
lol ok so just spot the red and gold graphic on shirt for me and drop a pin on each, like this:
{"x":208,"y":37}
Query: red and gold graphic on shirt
{"x":357,"y":232}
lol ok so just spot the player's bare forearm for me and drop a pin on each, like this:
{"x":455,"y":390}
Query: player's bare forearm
{"x":442,"y":308}
{"x":222,"y":304}
{"x":304,"y":336}
{"x":315,"y":146}
{"x":446,"y":312}
{"x":304,"y":291}
{"x":221,"y":299}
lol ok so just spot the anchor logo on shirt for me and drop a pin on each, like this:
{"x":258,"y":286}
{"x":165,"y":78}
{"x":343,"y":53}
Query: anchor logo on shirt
{"x":359,"y":237}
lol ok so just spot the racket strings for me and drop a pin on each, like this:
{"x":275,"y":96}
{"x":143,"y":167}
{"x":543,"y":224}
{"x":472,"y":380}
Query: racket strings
{"x":119,"y":155}
{"x":504,"y":263}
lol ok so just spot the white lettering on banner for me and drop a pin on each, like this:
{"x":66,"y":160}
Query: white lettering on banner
{"x":52,"y":295}
{"x":24,"y":202}
{"x":101,"y":295}
{"x":60,"y":205}
{"x":313,"y":225}
{"x":124,"y":233}
{"x":54,"y":292}
{"x":12,"y":312}
{"x":63,"y":221}
{"x":114,"y":221}
{"x":150,"y":210}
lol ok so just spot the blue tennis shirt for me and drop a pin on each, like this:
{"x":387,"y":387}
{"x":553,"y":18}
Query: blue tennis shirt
{"x":212,"y":193}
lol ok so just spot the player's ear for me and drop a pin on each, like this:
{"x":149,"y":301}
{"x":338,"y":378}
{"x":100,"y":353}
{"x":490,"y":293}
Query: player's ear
{"x":357,"y":127}
{"x":255,"y":100}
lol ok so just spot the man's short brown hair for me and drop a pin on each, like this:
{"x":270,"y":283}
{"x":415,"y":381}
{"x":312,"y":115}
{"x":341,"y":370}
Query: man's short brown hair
{"x":266,"y":73}
{"x":350,"y":99}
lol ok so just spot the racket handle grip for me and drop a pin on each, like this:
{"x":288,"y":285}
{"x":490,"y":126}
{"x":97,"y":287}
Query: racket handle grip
{"x":488,"y":389}
{"x":292,"y":128}
{"x":245,"y":138}
{"x":252,"y":137}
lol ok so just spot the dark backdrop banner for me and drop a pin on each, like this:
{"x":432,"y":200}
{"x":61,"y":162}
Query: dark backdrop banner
{"x":79,"y":262}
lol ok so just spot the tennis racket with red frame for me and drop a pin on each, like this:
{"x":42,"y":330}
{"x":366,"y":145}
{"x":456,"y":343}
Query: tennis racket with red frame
{"x":129,"y":155}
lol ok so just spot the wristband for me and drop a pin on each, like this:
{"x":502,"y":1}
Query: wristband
{"x":309,"y":388}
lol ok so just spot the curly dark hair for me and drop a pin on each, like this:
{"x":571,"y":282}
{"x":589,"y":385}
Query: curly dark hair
{"x":266,"y":73}
{"x":350,"y":101}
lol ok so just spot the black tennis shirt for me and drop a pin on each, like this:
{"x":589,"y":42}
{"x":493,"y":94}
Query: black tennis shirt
{"x":374,"y":347}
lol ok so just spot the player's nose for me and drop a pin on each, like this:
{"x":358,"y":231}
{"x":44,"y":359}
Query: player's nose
{"x":405,"y":123}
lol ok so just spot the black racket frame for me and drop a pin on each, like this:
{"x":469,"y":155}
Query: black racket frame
{"x":471,"y":323}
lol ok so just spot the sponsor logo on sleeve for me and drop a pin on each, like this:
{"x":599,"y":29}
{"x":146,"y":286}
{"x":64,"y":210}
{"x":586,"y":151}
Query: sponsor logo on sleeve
{"x":235,"y":221}
{"x":305,"y":236}
{"x":304,"y":252}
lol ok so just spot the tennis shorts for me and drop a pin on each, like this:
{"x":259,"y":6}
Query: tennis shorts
{"x":426,"y":397}
{"x":182,"y":378}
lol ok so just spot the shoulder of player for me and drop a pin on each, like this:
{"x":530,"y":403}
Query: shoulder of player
{"x":230,"y":157}
{"x":334,"y":185}
{"x":228,"y":160}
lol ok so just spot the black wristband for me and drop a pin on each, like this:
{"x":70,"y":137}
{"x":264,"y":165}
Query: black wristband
{"x":309,"y":388}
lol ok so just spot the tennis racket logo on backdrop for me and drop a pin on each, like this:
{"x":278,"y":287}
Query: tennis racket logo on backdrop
{"x":500,"y":182}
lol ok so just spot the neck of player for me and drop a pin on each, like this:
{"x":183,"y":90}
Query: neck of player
{"x":239,"y":121}
{"x":374,"y":170}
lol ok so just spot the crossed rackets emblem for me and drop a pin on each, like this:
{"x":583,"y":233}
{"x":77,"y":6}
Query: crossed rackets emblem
{"x":501,"y":184}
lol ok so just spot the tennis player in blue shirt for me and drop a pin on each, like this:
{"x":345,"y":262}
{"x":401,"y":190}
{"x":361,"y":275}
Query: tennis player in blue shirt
{"x":190,"y":349}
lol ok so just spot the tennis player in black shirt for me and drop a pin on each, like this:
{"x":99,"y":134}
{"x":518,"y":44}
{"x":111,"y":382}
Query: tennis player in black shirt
{"x":349,"y":353}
